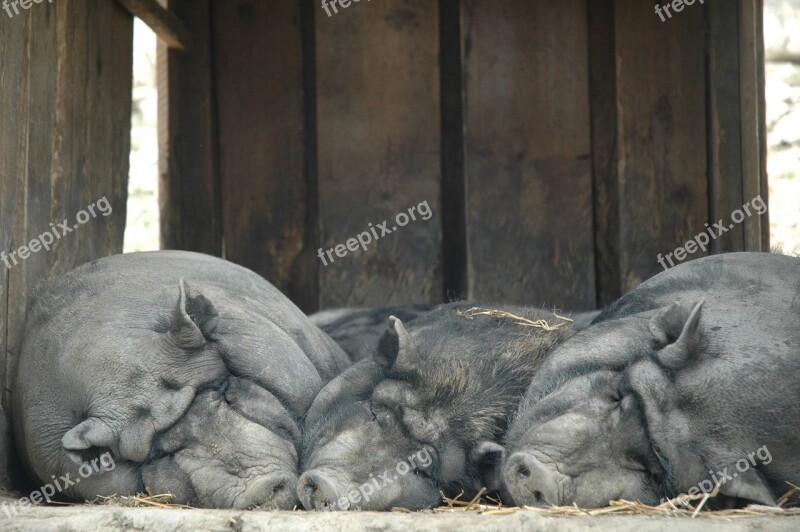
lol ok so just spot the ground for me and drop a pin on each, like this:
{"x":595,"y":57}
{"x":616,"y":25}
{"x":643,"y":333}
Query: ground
{"x":110,"y":518}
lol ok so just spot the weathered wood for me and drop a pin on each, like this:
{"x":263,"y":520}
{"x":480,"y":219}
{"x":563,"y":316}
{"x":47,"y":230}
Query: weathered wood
{"x":66,"y":143}
{"x":165,"y":24}
{"x":725,"y":162}
{"x":258,"y":62}
{"x":189,"y":198}
{"x":379,"y":149}
{"x":14,"y":79}
{"x":603,"y":91}
{"x":454,"y":230}
{"x":753,"y":120}
{"x":661,"y":156}
{"x":528,"y":152}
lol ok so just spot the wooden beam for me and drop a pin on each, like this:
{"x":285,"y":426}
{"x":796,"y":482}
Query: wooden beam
{"x":166,"y":25}
{"x":189,"y":199}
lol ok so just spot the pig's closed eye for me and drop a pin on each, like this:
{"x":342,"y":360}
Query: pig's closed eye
{"x":380,"y":412}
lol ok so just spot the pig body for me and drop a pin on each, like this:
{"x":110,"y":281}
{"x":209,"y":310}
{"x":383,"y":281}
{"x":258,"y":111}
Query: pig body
{"x":687,"y":382}
{"x":357,"y":330}
{"x":194,"y":373}
{"x":425,"y":413}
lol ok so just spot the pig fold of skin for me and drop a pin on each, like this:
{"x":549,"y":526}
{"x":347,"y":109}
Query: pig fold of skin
{"x":194,"y":373}
{"x":687,"y":382}
{"x":425,"y":413}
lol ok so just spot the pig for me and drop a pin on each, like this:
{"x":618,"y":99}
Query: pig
{"x":357,"y":330}
{"x":686,"y":383}
{"x":426,"y":413}
{"x":192,"y":372}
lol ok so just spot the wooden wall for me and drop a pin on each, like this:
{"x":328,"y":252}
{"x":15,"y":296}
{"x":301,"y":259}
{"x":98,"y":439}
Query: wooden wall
{"x":65,"y":111}
{"x":561,"y":145}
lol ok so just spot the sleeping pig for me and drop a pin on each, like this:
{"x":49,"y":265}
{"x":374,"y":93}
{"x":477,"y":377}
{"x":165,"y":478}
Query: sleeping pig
{"x":427,"y":412}
{"x":189,"y":373}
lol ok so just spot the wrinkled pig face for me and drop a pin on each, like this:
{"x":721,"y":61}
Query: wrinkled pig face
{"x":368,"y":462}
{"x":371,"y":442}
{"x":198,"y":425}
{"x":232,"y":449}
{"x":581,"y":435}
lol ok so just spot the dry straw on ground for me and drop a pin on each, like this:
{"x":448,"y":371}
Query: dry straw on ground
{"x":681,"y":506}
{"x":525,"y":322}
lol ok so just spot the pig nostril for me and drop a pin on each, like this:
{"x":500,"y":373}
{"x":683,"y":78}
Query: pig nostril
{"x":309,"y":487}
{"x":523,"y":472}
{"x":278,"y":488}
{"x":537,"y":496}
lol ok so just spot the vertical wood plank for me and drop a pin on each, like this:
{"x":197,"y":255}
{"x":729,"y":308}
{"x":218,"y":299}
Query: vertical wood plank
{"x":258,"y":63}
{"x":753,"y":120}
{"x":378,"y":115}
{"x":603,"y":85}
{"x":528,"y":152}
{"x":725,"y":128}
{"x":454,"y":230}
{"x":661,"y":105}
{"x":14,"y":78}
{"x":189,"y":196}
{"x":66,"y":86}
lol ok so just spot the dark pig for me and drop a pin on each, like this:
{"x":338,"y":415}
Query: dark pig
{"x":687,"y":382}
{"x":357,"y":330}
{"x":427,"y":412}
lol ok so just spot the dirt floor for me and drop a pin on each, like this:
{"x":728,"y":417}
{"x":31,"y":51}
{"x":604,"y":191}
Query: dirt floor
{"x":108,"y":518}
{"x":114,"y":517}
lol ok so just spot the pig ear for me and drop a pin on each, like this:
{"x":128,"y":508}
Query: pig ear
{"x":87,"y":434}
{"x":396,"y":349}
{"x":488,"y":458}
{"x":194,"y":319}
{"x":749,"y":486}
{"x":676,"y":330}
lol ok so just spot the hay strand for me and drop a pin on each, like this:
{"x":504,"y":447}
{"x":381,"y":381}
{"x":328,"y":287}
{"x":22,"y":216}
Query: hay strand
{"x":519,"y":320}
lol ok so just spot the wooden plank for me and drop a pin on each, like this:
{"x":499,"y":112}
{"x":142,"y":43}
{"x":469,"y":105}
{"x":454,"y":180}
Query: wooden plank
{"x":454,"y":229}
{"x":603,"y":84}
{"x":77,"y":143}
{"x":258,"y":61}
{"x":14,"y":78}
{"x":379,"y":138}
{"x":726,"y":172}
{"x":166,"y":25}
{"x":661,"y":155}
{"x":528,"y":152}
{"x":753,"y":120}
{"x":189,"y":198}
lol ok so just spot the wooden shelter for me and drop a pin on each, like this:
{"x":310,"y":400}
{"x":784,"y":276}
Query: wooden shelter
{"x":561,"y":145}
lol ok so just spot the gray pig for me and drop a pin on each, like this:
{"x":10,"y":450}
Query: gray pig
{"x":194,"y":373}
{"x":357,"y":330}
{"x":425,"y":414}
{"x":687,"y":382}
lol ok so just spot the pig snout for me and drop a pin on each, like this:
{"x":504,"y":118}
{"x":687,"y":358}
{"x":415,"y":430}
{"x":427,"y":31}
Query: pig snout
{"x":317,"y":491}
{"x":276,"y":491}
{"x":529,"y":481}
